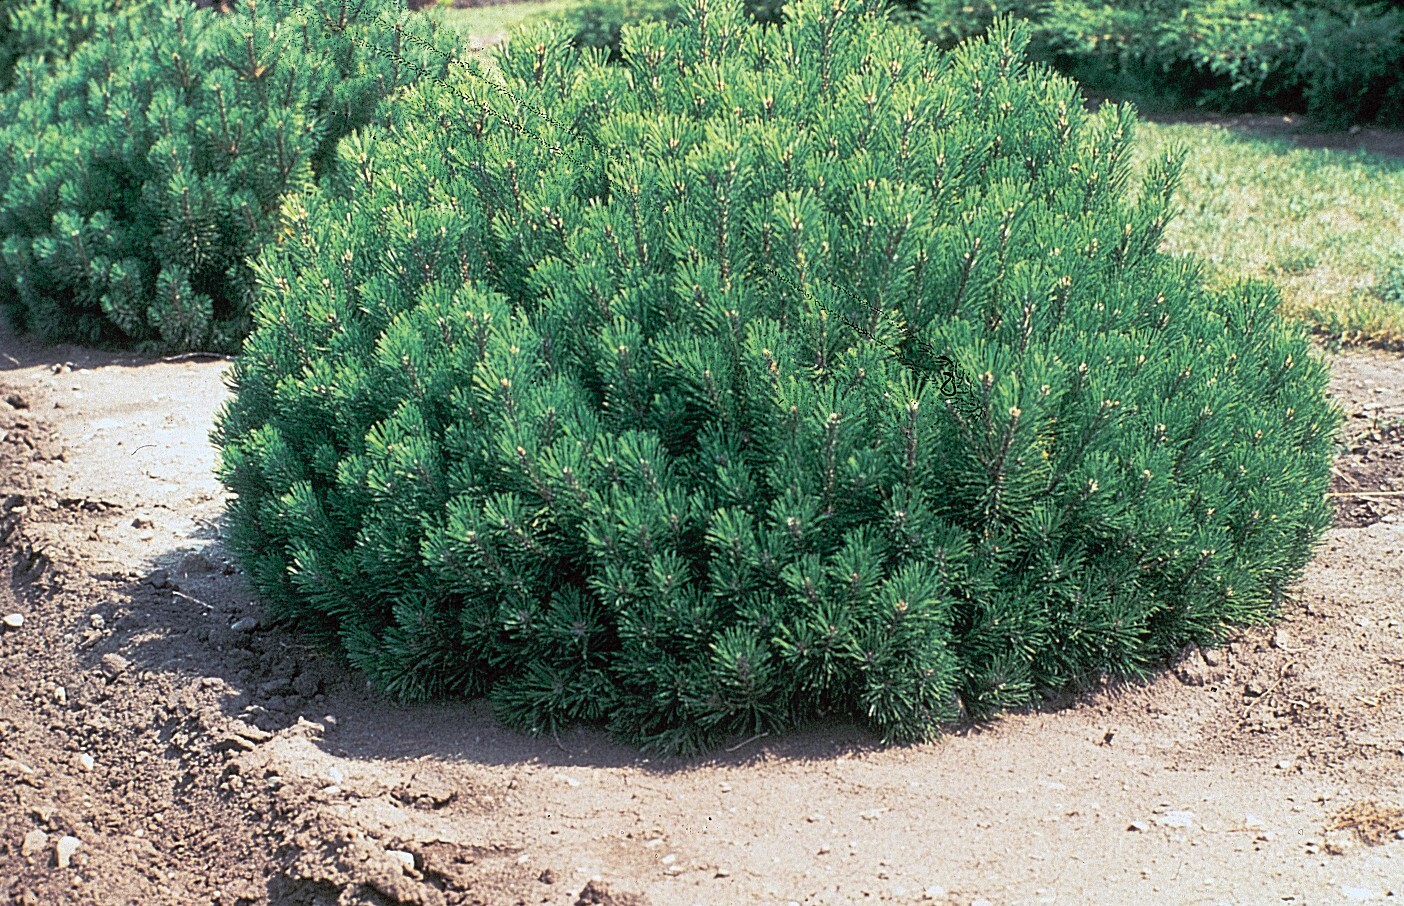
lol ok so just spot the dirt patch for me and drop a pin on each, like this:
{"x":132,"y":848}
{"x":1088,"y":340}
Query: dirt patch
{"x":1371,"y":823}
{"x":1368,"y":481}
{"x":1296,"y":128}
{"x":162,"y":742}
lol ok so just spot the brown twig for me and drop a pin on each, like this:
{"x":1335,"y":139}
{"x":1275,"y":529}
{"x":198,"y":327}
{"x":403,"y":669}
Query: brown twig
{"x":180,"y":594}
{"x":746,"y":742}
{"x":1374,"y":700}
{"x":186,"y":356}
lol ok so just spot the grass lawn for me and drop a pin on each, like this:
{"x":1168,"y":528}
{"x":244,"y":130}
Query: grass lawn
{"x":1322,"y":225}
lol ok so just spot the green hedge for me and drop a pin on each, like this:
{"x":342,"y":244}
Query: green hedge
{"x":598,"y":23}
{"x":623,"y":400}
{"x":137,"y":177}
{"x":1339,"y":60}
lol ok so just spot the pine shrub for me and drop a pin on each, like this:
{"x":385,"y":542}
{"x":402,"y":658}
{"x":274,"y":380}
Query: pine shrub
{"x":47,"y":30}
{"x":559,"y":391}
{"x":138,"y":176}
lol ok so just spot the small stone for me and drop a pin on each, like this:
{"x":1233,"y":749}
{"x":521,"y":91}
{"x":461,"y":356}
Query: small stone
{"x":196,"y":563}
{"x":1338,"y":845}
{"x":669,"y":859}
{"x":61,"y":695}
{"x":823,"y":850}
{"x":1281,"y":640}
{"x":65,"y":849}
{"x":34,"y":843}
{"x":307,"y":684}
{"x":1194,"y":671}
{"x":1139,"y":826}
{"x":597,"y":893}
{"x":724,"y":787}
{"x":254,"y":734}
{"x":114,"y":665}
{"x":86,"y":761}
{"x":232,"y":743}
{"x":14,"y":620}
{"x":934,"y":891}
{"x":547,"y":877}
{"x":722,"y":873}
{"x":141,"y":522}
{"x":247,"y":624}
{"x":16,"y":401}
{"x":404,"y":858}
{"x":97,"y":621}
{"x":1175,"y":819}
{"x":1214,"y":657}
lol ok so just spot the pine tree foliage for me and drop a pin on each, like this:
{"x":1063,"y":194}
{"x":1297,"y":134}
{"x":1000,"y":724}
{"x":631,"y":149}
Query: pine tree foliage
{"x":526,"y":414}
{"x":140,"y":175}
{"x":47,"y":30}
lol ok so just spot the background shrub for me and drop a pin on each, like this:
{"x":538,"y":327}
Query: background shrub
{"x":138,"y":176}
{"x":525,"y":413}
{"x":1340,"y":60}
{"x":598,"y":23}
{"x":1352,"y":64}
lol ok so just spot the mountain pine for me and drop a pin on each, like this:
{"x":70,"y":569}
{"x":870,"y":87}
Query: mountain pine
{"x":772,"y":374}
{"x":46,"y":29}
{"x":139,"y":175}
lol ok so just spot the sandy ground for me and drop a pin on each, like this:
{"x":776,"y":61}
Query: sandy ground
{"x":159,"y":746}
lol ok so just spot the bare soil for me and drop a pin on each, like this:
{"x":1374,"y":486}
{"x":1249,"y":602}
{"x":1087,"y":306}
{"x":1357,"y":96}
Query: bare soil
{"x":1297,"y":129}
{"x":195,"y":756}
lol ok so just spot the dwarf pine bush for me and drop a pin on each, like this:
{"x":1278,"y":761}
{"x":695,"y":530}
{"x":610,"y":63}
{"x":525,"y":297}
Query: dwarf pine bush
{"x":137,"y":177}
{"x":46,"y":29}
{"x":560,"y":392}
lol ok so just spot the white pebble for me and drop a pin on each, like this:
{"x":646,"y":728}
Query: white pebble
{"x":65,"y":849}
